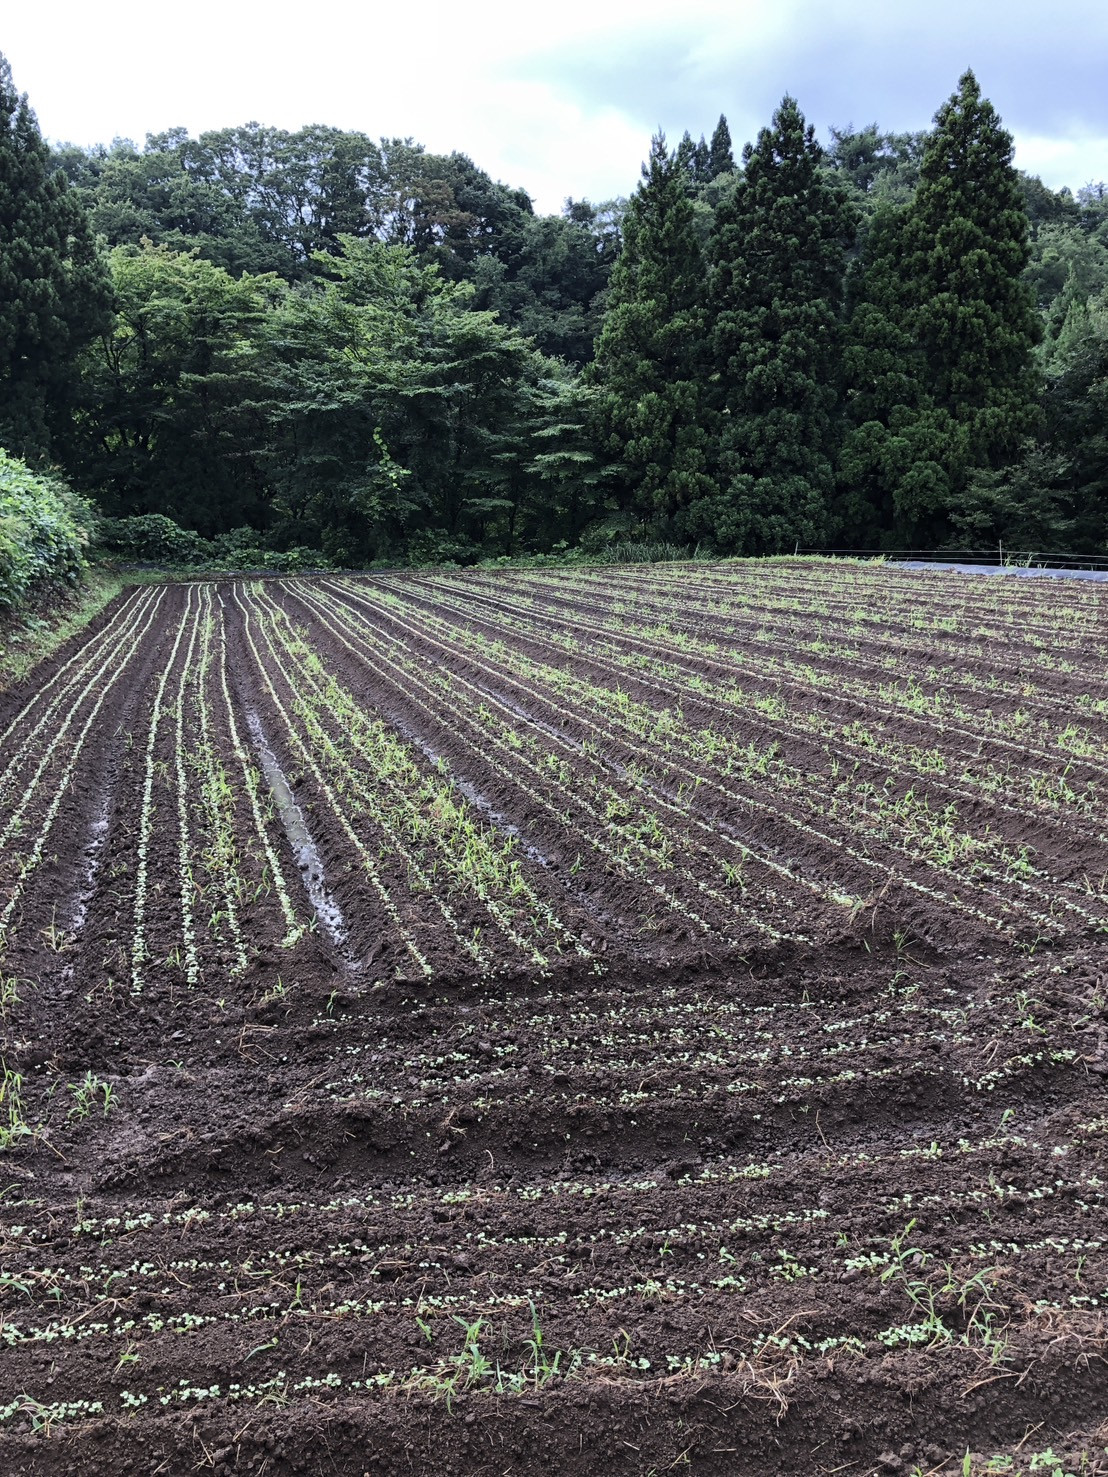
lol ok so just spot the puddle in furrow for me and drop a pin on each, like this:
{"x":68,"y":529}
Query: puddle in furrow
{"x":90,"y":868}
{"x":97,"y":832}
{"x":307,"y":854}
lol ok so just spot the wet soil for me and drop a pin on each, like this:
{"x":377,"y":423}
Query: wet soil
{"x":735,"y":1180}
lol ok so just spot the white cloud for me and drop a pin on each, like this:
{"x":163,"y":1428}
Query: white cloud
{"x":440,"y":73}
{"x":553,"y":146}
{"x":1063,"y":161}
{"x":558,"y":99}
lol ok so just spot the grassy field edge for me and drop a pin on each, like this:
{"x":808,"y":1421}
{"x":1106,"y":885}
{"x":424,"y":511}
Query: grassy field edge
{"x":27,"y":637}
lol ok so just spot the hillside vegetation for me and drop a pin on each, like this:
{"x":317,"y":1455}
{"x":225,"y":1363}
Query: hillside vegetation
{"x":359,"y":347}
{"x":43,"y":528}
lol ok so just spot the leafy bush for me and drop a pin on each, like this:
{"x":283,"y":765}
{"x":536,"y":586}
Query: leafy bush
{"x":284,"y":561}
{"x":153,"y":536}
{"x":558,"y":558}
{"x":615,"y":528}
{"x":291,"y":560}
{"x":434,"y":546}
{"x":235,"y":541}
{"x":43,"y":529}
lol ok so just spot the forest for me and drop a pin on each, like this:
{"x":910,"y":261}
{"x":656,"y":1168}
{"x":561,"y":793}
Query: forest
{"x":317,"y":340}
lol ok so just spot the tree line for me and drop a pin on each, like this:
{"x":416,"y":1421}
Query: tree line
{"x":896,"y":340}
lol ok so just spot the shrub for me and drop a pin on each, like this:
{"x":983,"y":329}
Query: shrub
{"x":599,"y":537}
{"x":237,"y":542}
{"x":43,"y":529}
{"x":153,"y":536}
{"x":284,"y":561}
{"x":288,"y":561}
{"x":434,"y":546}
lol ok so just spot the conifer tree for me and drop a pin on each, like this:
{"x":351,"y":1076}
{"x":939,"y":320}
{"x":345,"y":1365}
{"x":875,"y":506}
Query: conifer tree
{"x":685,"y":156}
{"x":974,"y":317}
{"x":884,"y":394}
{"x":702,"y":163}
{"x":777,"y":256}
{"x":54,"y":293}
{"x":648,"y":366}
{"x":943,"y":292}
{"x":720,"y":158}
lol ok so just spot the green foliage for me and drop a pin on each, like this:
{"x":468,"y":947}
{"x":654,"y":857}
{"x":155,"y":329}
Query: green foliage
{"x":878,"y":168}
{"x":1075,"y":437}
{"x":43,"y":529}
{"x":720,"y":158}
{"x":364,"y":352}
{"x":551,"y":285}
{"x":54,"y":293}
{"x":885,"y":399}
{"x":1068,"y":269}
{"x":435,"y":548}
{"x":247,"y":557}
{"x":404,"y":420}
{"x":152,"y":537}
{"x":350,"y":414}
{"x":649,"y":366}
{"x":1024,"y":507}
{"x":942,"y":382}
{"x":778,"y":256}
{"x":259,"y":200}
{"x":171,"y":416}
{"x":967,"y":249}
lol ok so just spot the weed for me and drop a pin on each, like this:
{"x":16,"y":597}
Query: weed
{"x":87,"y":1093}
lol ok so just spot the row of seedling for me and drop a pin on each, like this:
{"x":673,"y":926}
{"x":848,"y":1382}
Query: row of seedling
{"x":663,"y":758}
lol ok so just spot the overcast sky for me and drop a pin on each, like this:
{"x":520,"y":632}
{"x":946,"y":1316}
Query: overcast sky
{"x":562,"y":98}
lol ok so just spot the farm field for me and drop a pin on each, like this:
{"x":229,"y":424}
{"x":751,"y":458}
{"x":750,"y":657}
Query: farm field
{"x":632,"y":1021}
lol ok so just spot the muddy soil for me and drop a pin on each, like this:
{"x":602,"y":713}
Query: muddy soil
{"x":393,"y":1082}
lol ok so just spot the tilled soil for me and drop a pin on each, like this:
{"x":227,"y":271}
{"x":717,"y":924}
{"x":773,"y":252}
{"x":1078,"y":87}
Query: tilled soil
{"x":631,"y":1022}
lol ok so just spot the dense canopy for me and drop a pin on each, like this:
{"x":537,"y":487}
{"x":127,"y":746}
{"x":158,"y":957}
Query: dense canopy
{"x":320,"y":338}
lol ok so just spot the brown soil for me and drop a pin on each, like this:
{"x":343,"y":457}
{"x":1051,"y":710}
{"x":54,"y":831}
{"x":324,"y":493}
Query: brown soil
{"x":325,"y":1156}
